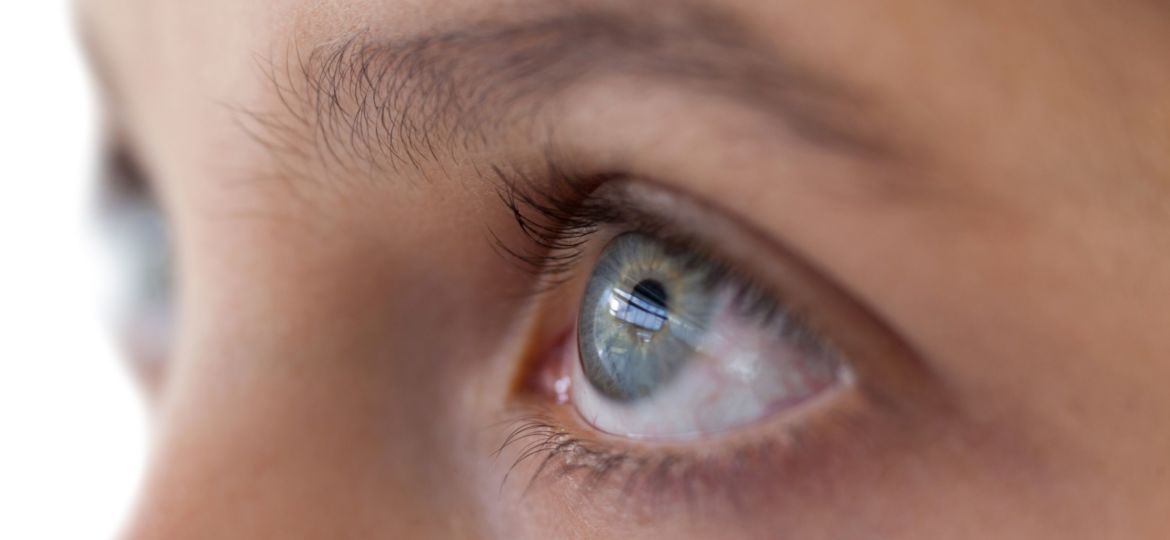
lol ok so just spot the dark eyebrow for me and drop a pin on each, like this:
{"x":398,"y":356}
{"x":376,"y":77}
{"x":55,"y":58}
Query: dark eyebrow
{"x":403,"y":101}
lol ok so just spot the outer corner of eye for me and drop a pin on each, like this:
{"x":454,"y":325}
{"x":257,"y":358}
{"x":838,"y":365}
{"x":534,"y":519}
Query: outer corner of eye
{"x":666,"y":347}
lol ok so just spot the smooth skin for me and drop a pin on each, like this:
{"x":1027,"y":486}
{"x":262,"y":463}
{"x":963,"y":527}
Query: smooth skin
{"x":343,"y":354}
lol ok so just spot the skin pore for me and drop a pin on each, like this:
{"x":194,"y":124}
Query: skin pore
{"x":968,"y":199}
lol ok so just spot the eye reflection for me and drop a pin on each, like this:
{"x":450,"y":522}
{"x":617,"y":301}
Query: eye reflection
{"x":644,"y":307}
{"x":672,"y":345}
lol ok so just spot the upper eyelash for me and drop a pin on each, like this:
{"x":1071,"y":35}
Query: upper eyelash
{"x":560,"y":215}
{"x":557,"y":216}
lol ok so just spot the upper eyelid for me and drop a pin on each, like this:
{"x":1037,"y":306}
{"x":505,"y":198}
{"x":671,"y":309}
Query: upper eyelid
{"x":560,"y":213}
{"x":561,"y":225}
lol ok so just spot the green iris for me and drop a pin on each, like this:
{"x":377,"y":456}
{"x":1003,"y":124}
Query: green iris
{"x":644,"y":313}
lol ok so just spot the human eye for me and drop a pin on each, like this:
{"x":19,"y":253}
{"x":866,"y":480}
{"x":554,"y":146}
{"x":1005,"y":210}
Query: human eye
{"x":673,"y":345}
{"x":677,"y":340}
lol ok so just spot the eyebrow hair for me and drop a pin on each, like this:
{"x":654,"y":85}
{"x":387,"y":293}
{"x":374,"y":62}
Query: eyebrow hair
{"x":408,"y":100}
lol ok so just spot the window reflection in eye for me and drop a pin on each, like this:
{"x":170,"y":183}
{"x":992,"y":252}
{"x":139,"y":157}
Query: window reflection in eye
{"x":673,"y":346}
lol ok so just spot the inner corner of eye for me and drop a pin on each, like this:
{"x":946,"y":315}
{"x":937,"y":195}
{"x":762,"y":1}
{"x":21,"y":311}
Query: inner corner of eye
{"x":546,"y":371}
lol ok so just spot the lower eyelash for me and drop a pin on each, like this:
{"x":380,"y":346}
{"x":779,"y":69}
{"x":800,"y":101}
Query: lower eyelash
{"x":536,"y":437}
{"x":561,"y":455}
{"x":651,"y":478}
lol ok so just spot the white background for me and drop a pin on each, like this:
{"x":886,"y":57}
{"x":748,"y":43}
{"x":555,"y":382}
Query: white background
{"x":72,"y":429}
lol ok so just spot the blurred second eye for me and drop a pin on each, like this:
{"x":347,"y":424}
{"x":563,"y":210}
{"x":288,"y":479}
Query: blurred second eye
{"x":672,"y":345}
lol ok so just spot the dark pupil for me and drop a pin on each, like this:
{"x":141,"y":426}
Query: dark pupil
{"x":652,"y":293}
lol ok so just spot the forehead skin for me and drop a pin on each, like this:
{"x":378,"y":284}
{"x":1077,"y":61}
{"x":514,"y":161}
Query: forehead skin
{"x":1017,"y":240}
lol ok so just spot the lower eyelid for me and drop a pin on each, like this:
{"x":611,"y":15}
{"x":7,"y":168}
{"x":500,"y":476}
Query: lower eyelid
{"x":548,"y":446}
{"x":805,"y":459}
{"x":547,"y":428}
